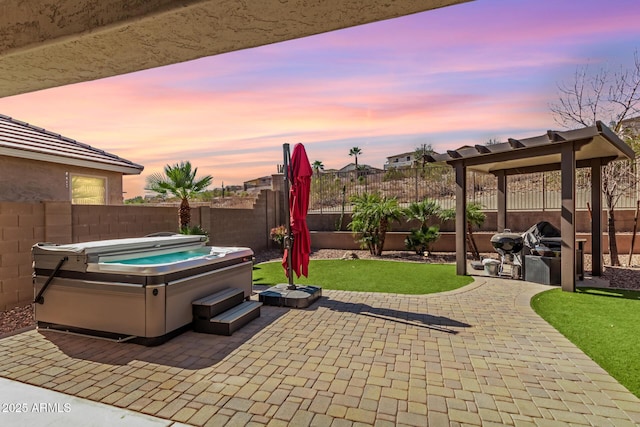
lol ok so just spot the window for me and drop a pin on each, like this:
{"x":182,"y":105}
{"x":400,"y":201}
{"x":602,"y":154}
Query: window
{"x":88,"y":190}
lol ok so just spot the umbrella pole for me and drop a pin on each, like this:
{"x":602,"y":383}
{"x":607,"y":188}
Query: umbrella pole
{"x":288,"y":239}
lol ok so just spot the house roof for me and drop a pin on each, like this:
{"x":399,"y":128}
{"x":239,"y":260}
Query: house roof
{"x":408,"y":153}
{"x":20,"y":139}
{"x":540,"y":153}
{"x":352,"y":166}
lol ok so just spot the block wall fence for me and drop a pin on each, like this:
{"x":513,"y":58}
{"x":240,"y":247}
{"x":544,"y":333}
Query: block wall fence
{"x":24,"y":224}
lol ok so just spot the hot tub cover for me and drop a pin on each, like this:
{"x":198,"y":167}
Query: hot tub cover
{"x":115,"y":245}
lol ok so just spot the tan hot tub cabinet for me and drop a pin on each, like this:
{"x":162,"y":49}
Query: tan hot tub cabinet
{"x":120,"y":289}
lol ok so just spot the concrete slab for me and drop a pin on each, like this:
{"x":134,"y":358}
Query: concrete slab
{"x":31,"y":406}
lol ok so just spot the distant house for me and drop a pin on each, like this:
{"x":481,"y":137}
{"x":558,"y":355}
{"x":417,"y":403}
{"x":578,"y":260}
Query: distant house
{"x":39,"y":165}
{"x":404,"y":160}
{"x":258,"y":183}
{"x":361,"y":168}
{"x":631,"y":127}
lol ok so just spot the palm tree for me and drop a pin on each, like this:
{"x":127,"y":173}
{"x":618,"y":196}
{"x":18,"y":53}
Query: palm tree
{"x":355,"y":151}
{"x":180,"y":181}
{"x":371,"y":219}
{"x":423,"y":211}
{"x":475,"y":218}
{"x":317,"y":166}
{"x":421,"y":238}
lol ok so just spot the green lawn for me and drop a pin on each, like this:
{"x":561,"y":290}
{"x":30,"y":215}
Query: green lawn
{"x":604,"y":323}
{"x":368,"y":276}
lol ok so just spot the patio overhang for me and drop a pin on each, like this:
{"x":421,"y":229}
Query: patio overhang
{"x":44,"y":45}
{"x":593,"y":146}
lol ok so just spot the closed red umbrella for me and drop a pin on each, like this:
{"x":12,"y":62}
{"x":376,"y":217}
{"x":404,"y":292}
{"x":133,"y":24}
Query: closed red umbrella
{"x":299,"y":175}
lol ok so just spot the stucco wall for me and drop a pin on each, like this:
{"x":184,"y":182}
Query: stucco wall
{"x":24,"y":180}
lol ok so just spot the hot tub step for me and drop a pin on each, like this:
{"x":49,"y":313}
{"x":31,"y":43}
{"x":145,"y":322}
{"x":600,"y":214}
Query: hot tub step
{"x":231,"y":320}
{"x":214,"y":304}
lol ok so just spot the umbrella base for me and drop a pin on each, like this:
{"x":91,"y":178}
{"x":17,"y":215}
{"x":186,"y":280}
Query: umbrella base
{"x":301,"y":297}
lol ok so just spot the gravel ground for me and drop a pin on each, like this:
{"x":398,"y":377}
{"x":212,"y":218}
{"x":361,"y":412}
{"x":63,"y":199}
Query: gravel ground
{"x":619,"y":277}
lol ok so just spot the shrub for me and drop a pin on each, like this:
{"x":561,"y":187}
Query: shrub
{"x":278,"y":234}
{"x":371,"y":219}
{"x":194,"y":230}
{"x":420,"y":240}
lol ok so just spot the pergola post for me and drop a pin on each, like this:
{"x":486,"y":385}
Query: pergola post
{"x":461,"y":219}
{"x":502,"y":201}
{"x":596,"y":217}
{"x":567,"y":218}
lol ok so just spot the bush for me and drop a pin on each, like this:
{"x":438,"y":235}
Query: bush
{"x":420,"y":240}
{"x":371,"y":219}
{"x":194,"y":230}
{"x":278,"y":234}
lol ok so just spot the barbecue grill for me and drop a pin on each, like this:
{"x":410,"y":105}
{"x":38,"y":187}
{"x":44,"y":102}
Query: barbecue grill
{"x":509,"y":246}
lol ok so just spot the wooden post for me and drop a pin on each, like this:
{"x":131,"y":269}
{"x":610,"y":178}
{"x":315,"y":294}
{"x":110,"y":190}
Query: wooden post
{"x":596,"y":217}
{"x":502,"y":201}
{"x":633,"y":236}
{"x":461,"y":219}
{"x":567,"y":218}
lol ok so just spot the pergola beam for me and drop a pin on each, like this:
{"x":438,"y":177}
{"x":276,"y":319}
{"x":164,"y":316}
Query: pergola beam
{"x":523,"y":152}
{"x":553,"y":167}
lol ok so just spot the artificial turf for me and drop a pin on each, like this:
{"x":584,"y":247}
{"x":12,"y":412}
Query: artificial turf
{"x":601,"y":322}
{"x":368,"y":276}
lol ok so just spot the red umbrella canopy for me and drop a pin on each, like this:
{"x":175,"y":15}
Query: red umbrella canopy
{"x":299,"y":175}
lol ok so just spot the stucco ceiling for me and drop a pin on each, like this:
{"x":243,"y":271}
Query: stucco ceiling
{"x":59,"y":42}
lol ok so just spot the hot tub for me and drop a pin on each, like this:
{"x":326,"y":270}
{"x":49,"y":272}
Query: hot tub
{"x":138,"y":288}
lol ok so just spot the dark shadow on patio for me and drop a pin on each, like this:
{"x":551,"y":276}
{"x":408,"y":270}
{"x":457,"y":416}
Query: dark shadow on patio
{"x":421,"y":320}
{"x":189,"y":350}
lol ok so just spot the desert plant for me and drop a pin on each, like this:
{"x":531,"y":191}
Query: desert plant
{"x":423,"y":211}
{"x":194,"y":230}
{"x":371,"y":219}
{"x":420,"y":239}
{"x":278,"y":234}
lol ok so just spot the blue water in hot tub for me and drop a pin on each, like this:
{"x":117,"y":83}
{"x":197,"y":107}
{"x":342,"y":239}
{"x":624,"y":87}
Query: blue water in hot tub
{"x":169,"y":258}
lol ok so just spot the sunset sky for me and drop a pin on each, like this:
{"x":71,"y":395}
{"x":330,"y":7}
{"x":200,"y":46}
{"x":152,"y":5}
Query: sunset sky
{"x":448,"y":77}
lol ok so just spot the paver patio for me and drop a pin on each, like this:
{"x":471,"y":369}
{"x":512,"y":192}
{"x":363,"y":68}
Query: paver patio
{"x":475,"y":356}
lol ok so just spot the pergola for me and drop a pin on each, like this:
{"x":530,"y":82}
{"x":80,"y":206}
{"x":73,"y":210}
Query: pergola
{"x":593,"y":147}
